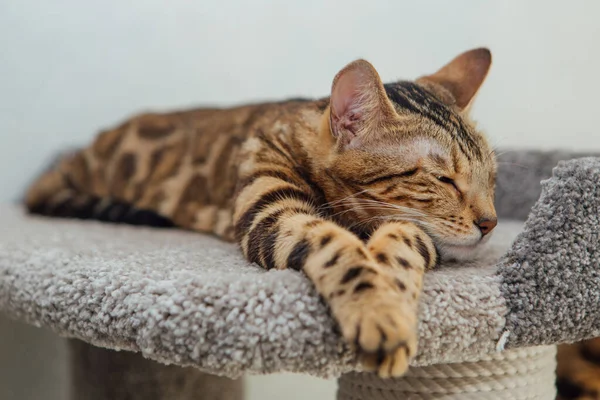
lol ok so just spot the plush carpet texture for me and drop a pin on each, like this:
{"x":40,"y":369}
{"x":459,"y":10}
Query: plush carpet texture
{"x":551,"y":275}
{"x":189,"y":299}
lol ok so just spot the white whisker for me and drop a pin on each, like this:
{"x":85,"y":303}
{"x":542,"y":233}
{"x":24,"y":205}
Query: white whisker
{"x":349,"y":197}
{"x":515,"y":164}
{"x":408,"y":210}
{"x":407,"y":219}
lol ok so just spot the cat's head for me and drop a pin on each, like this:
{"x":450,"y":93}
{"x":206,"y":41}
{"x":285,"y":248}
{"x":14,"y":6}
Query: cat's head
{"x":409,"y":151}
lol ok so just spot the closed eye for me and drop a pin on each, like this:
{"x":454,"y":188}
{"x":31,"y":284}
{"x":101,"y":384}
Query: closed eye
{"x":404,"y":174}
{"x":445,"y":179}
{"x":448,"y":181}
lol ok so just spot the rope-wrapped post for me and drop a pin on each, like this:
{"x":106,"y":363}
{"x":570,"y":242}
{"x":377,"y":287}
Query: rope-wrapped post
{"x":525,"y":373}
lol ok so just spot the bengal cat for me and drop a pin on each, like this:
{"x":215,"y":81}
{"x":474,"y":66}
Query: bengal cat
{"x":363,"y":191}
{"x":578,"y":372}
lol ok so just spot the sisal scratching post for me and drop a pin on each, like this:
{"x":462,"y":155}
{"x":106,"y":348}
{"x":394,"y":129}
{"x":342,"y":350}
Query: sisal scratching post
{"x":520,"y":374}
{"x":101,"y":374}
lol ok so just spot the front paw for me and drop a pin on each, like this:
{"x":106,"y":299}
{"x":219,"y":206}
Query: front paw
{"x":382,"y":326}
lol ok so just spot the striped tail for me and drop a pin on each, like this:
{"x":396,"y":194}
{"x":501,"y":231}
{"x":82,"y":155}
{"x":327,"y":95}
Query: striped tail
{"x":52,"y":195}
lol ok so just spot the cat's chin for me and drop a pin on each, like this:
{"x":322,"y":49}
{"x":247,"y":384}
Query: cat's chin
{"x":452,"y":253}
{"x":459,"y":253}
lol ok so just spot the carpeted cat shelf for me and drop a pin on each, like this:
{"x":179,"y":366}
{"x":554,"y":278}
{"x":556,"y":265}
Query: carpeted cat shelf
{"x":488,"y":328}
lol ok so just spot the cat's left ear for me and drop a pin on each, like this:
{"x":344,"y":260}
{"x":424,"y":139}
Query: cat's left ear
{"x":463,"y":76}
{"x":359,"y":106}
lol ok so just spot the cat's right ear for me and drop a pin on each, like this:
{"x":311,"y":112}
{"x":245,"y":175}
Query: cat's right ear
{"x":359,"y":105}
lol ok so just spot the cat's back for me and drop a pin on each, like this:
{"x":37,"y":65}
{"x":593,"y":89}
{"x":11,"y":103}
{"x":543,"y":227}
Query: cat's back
{"x":238,"y":121}
{"x":200,"y":130}
{"x":198,"y":133}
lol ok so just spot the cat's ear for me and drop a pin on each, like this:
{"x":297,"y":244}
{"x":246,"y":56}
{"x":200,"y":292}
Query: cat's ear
{"x":359,"y":105}
{"x":463,"y":76}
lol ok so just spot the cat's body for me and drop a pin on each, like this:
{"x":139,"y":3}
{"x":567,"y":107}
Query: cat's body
{"x":362,"y":191}
{"x":184,"y":166}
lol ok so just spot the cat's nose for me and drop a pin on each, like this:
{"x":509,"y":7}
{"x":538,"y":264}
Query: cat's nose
{"x":486,"y":225}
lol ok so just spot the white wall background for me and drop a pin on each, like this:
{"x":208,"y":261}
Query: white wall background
{"x":70,"y":67}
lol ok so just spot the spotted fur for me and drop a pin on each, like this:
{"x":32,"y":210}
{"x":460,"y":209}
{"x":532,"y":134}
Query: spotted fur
{"x":362,"y":191}
{"x":578,"y":372}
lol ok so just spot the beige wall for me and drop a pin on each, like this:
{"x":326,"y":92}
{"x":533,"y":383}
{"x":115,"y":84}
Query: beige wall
{"x":69,"y":67}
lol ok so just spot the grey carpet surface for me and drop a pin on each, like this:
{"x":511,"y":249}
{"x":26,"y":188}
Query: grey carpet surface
{"x":190,"y":299}
{"x":551,"y":275}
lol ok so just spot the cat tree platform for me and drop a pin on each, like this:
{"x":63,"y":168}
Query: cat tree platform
{"x":488,"y":328}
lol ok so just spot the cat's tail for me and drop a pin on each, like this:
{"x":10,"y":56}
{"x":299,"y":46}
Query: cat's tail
{"x":54,"y":194}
